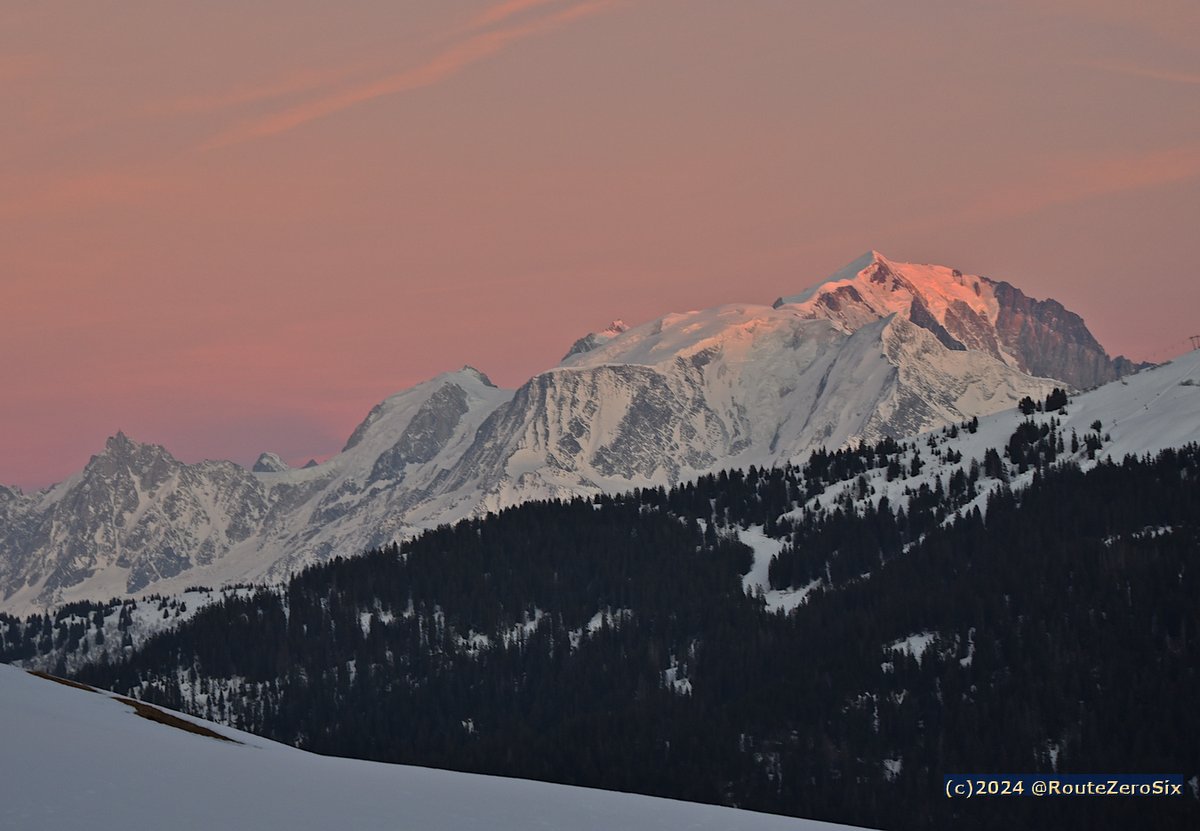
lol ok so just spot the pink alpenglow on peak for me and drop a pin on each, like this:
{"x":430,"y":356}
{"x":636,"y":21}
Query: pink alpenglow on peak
{"x":964,"y":312}
{"x":155,"y":201}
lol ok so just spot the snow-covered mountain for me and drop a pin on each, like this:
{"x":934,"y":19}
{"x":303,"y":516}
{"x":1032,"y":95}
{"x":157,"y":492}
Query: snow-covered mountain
{"x":879,"y":349}
{"x":1141,"y":415}
{"x":726,"y":387}
{"x":75,"y":758}
{"x":137,"y":518}
{"x":964,"y":312}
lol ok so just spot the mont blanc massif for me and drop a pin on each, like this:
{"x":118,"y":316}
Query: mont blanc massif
{"x":801,"y":558}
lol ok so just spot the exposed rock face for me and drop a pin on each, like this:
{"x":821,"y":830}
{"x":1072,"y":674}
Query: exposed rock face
{"x":964,"y":311}
{"x":361,"y":429}
{"x":136,"y":518}
{"x":425,"y":436}
{"x":1050,"y":341}
{"x":920,"y":315}
{"x":134,"y":508}
{"x":569,"y":431}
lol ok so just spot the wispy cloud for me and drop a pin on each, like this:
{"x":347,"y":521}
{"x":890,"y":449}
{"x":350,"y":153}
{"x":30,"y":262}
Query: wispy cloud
{"x":449,"y":62}
{"x":1094,"y":178}
{"x":503,"y":11}
{"x":1065,"y":183}
{"x":1153,"y":73}
{"x":303,"y":81}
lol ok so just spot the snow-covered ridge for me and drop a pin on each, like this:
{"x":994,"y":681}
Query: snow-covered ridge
{"x":594,"y":339}
{"x":1140,"y":415}
{"x":136,"y":518}
{"x":964,"y":312}
{"x":652,"y":404}
{"x":79,"y":759}
{"x":883,"y":287}
{"x":726,"y":387}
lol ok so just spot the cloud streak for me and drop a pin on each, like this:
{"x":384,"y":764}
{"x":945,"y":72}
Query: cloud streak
{"x":449,"y":62}
{"x":1168,"y":75}
{"x":1063,"y":184}
{"x":305,"y":81}
{"x":503,"y":11}
{"x":1092,"y":179}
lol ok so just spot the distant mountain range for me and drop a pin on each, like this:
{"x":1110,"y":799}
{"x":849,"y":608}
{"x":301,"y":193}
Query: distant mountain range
{"x":878,"y":349}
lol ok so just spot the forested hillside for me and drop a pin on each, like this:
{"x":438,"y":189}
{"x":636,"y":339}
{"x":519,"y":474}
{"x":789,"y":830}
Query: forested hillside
{"x":610,"y":643}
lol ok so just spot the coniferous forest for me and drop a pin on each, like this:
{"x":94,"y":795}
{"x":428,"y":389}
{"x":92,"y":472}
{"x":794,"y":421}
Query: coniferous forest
{"x":609,"y":643}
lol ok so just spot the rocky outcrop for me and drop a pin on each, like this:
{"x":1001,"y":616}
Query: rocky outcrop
{"x":134,"y":508}
{"x":1049,"y":340}
{"x":920,"y":315}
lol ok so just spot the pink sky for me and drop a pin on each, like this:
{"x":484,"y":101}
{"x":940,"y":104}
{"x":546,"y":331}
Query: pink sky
{"x":230,"y":227}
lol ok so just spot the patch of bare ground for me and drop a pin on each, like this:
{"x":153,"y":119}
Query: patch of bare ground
{"x":154,"y":714}
{"x":143,"y":709}
{"x":66,"y":682}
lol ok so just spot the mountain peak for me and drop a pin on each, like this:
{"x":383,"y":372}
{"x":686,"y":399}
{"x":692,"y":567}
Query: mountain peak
{"x":478,"y":375}
{"x":861,"y":262}
{"x":872,"y":286}
{"x":846,"y":273}
{"x":270,"y":463}
{"x":964,"y":312}
{"x":593,"y":340}
{"x":119,"y":443}
{"x":468,"y":376}
{"x":121,"y":447}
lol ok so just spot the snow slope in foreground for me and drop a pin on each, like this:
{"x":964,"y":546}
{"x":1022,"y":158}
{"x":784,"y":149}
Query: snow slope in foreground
{"x":74,"y":759}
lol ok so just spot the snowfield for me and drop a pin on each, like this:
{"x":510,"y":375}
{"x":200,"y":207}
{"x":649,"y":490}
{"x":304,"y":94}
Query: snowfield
{"x":75,"y":759}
